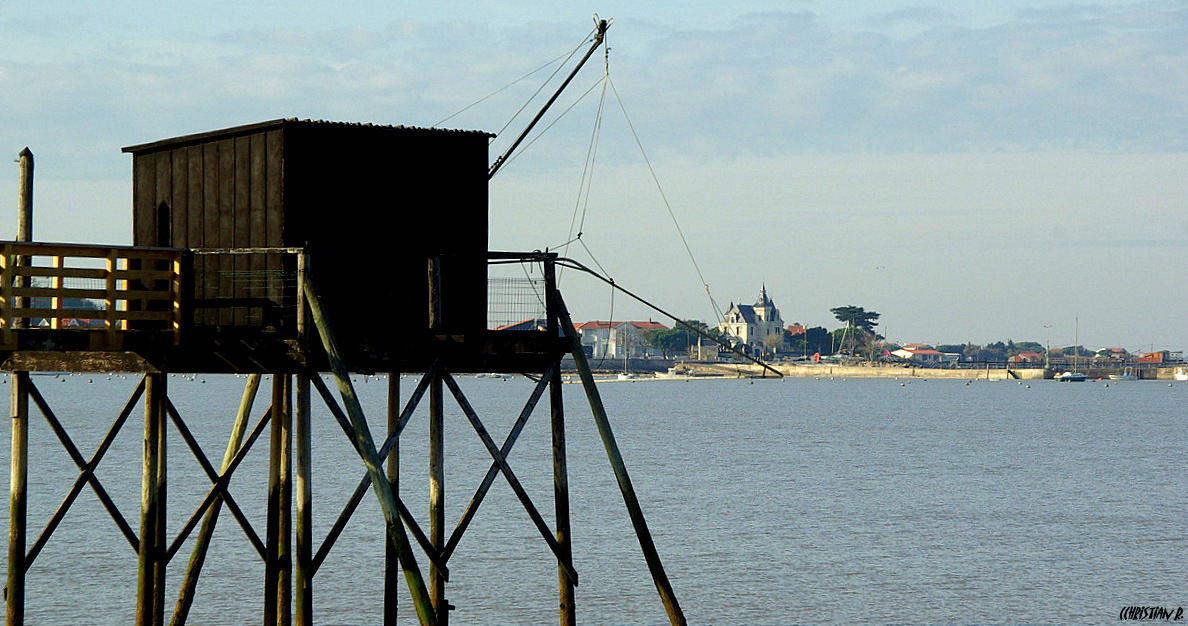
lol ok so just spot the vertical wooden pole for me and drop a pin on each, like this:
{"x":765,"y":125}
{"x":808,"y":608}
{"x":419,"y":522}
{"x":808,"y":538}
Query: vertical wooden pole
{"x":24,"y":226}
{"x":150,"y":596}
{"x":25,"y":217}
{"x":561,"y":500}
{"x":392,"y":569}
{"x":285,"y":509}
{"x":270,"y":523}
{"x":277,"y":569}
{"x":161,"y":542}
{"x":560,"y":464}
{"x":14,"y":592}
{"x":56,"y":284}
{"x":437,"y":496}
{"x":436,"y":455}
{"x":303,"y":575}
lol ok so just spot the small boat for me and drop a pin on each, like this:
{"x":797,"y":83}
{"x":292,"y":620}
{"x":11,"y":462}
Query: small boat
{"x":1127,"y":374}
{"x":1181,"y":373}
{"x":1071,"y":377}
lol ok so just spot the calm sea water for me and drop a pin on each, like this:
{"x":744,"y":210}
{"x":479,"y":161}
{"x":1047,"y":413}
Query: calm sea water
{"x":795,"y":501}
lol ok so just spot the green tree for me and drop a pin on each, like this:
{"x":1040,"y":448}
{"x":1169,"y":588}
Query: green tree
{"x":859,"y":332}
{"x":1033,"y":346}
{"x":856,"y":317}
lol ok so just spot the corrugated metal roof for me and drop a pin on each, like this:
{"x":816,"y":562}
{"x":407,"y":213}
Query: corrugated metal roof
{"x":278,"y":123}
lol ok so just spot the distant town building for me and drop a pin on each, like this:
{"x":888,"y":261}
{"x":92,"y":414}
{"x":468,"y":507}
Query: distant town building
{"x":751,"y":324}
{"x":1026,"y":356}
{"x":1163,"y":356}
{"x":1113,"y":354}
{"x":920,"y":355}
{"x":616,"y":340}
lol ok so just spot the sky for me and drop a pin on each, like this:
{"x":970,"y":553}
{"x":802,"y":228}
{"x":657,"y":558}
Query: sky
{"x":972,"y":171}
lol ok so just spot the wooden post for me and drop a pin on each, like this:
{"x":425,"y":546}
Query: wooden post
{"x":285,"y":508}
{"x":436,"y":454}
{"x":303,"y":571}
{"x":651,"y":556}
{"x":278,"y":568}
{"x":14,"y":592}
{"x":24,"y":226}
{"x":160,"y":558}
{"x":560,"y":465}
{"x":392,"y":551}
{"x":561,"y":500}
{"x":56,"y":283}
{"x":110,"y":301}
{"x":150,"y":601}
{"x":25,"y":217}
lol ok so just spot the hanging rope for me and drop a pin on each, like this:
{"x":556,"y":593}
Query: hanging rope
{"x":667,"y":205}
{"x":541,"y":133}
{"x":567,"y":56}
{"x":582,"y":202}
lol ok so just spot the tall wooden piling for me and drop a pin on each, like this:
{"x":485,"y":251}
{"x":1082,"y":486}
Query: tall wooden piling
{"x":303,"y":570}
{"x":437,"y":578}
{"x":391,"y":550}
{"x":278,"y":568}
{"x":150,"y":592}
{"x":567,"y":612}
{"x":303,"y":496}
{"x":14,"y":590}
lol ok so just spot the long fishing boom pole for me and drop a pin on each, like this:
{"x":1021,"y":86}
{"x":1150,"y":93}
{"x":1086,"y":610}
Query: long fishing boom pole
{"x":599,"y":38}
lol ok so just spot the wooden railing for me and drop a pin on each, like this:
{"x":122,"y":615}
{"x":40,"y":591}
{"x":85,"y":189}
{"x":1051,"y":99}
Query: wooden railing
{"x":127,"y":284}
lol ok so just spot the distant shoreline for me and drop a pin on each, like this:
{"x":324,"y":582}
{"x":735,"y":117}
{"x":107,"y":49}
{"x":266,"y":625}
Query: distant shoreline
{"x":694,"y":370}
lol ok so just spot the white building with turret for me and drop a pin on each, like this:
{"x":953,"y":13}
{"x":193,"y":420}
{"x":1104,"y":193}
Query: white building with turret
{"x":751,"y":324}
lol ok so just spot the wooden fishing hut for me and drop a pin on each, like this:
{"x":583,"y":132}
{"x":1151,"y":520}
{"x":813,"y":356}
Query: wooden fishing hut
{"x":294,"y":248}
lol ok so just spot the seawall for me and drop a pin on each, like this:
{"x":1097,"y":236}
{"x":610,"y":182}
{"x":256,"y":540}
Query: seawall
{"x":821,"y":370}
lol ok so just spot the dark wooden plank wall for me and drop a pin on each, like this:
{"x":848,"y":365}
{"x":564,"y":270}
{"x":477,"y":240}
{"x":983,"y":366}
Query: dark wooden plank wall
{"x":218,"y":194}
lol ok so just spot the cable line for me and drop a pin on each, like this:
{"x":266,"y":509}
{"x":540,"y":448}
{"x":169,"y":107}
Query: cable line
{"x":566,"y":56}
{"x":667,"y":205}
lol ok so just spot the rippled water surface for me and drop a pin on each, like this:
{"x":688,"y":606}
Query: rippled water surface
{"x":801,"y":500}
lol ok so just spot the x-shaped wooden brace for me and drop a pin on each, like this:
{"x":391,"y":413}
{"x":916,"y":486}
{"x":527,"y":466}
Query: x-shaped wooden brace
{"x":87,"y":476}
